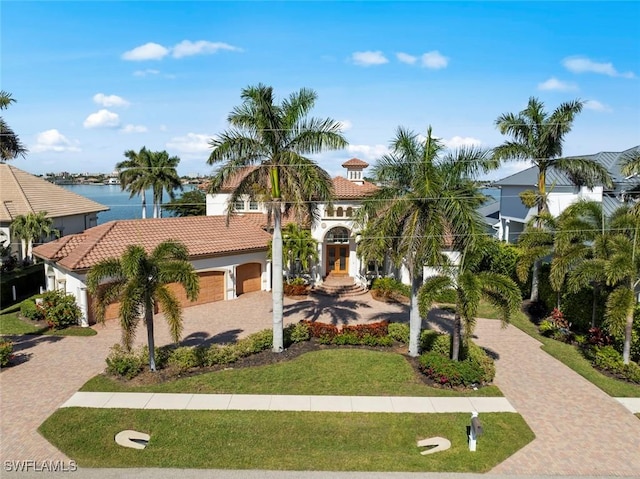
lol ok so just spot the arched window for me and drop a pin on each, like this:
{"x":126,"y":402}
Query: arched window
{"x":340,"y":212}
{"x":330,"y":211}
{"x":349,"y":212}
{"x":337,"y":235}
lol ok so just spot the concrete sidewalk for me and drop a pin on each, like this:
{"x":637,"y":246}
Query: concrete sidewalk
{"x":256,"y":402}
{"x":632,"y":404}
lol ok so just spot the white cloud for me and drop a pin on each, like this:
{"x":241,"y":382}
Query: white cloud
{"x":109,"y":100}
{"x":406,"y":58}
{"x":369,"y":58}
{"x":557,"y":85}
{"x":190,"y":143}
{"x":53,"y":140}
{"x":434,"y":60}
{"x":102,"y":119}
{"x":134,"y":129}
{"x":148,"y":51}
{"x":345,"y":125}
{"x":146,"y":72}
{"x":459,"y":141}
{"x":595,"y":105}
{"x":188,"y":48}
{"x":585,"y":65}
{"x":368,"y":152}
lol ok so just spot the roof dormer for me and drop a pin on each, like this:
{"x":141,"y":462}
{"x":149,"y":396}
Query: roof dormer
{"x":355,"y":168}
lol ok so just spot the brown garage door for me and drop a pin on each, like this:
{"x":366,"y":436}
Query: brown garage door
{"x":248,"y":278}
{"x":211,"y":289}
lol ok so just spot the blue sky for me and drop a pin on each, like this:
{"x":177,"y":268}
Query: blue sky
{"x":93,"y":79}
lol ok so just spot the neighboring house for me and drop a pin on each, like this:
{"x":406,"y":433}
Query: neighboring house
{"x":335,"y":229}
{"x":514,"y":216}
{"x":22,"y":193}
{"x":230,"y":259}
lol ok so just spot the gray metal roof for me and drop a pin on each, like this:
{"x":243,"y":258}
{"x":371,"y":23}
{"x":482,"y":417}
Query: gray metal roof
{"x":609,"y":159}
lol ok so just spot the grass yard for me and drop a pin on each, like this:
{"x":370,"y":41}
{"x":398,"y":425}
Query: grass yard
{"x":570,"y":356}
{"x":340,"y":372}
{"x":12,"y":325}
{"x":282,"y":440}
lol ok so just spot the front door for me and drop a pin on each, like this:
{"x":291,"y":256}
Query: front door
{"x":337,"y":259}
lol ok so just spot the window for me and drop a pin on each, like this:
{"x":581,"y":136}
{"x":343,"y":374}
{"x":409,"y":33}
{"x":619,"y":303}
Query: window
{"x":349,"y":212}
{"x":253,"y":205}
{"x":338,"y":235}
{"x":330,"y":211}
{"x":340,"y":212}
{"x":238,"y":205}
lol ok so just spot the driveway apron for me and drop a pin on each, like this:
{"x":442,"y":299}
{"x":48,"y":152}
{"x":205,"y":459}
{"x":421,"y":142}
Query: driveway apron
{"x":579,"y":429}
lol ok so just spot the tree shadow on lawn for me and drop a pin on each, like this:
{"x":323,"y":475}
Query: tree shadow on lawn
{"x":340,"y":311}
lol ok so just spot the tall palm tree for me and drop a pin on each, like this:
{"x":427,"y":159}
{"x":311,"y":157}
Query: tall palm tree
{"x":138,"y":281}
{"x":164,"y":177}
{"x":471,"y":285}
{"x":31,"y":228}
{"x":427,"y":199}
{"x":10,"y":145}
{"x":299,"y":247}
{"x":134,"y":174}
{"x":538,"y":137}
{"x":273,"y":139}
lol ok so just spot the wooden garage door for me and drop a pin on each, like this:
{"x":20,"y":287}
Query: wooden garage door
{"x":113,"y":310}
{"x":248,"y":278}
{"x":211,"y":289}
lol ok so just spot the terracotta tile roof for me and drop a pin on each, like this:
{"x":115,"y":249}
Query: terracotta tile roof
{"x":204,"y":236}
{"x":346,"y":189}
{"x":22,"y":193}
{"x":261,"y":219}
{"x":355,"y":162}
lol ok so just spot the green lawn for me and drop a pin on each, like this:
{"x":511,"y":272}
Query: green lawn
{"x":11,"y":324}
{"x":570,"y":356}
{"x":282,"y":440}
{"x":341,"y":372}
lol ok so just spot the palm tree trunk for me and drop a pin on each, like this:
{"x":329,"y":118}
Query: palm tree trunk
{"x":277,"y":284}
{"x":456,"y":337}
{"x":30,"y":249}
{"x":148,"y":319}
{"x":628,"y":331}
{"x":415,"y":321}
{"x":535,"y":281}
{"x":594,"y":305}
{"x":143,"y":196}
{"x":23,"y":243}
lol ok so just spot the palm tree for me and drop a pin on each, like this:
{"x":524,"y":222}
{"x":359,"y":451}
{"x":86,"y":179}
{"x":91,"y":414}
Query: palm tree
{"x":538,"y":138}
{"x":134,"y":174}
{"x":164,"y":177}
{"x":138,"y":281}
{"x":614,"y":262}
{"x":10,"y":145}
{"x":298,"y":247}
{"x":471,"y":285}
{"x":426,"y":200}
{"x":31,"y":228}
{"x":273,"y":139}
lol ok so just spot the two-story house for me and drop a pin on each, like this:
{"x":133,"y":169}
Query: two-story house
{"x":514,"y":216}
{"x":334,"y":232}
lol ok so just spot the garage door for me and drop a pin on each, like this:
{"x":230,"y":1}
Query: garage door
{"x":211,"y":289}
{"x":248,"y":278}
{"x":112,"y":312}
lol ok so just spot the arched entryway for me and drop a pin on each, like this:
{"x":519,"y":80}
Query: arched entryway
{"x":337,"y":251}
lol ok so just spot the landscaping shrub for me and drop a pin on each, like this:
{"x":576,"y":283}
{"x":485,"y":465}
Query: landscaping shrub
{"x":255,"y":343}
{"x":399,"y":332}
{"x":217,"y":354}
{"x":608,"y":359}
{"x":124,"y":363}
{"x":296,"y":333}
{"x":379,"y":329}
{"x":446,"y":372}
{"x":296,"y":287}
{"x":387,"y":287}
{"x":6,"y":352}
{"x":30,"y":310}
{"x":60,"y":309}
{"x":186,"y":357}
{"x":427,"y":337}
{"x":475,"y":354}
{"x":322,"y":331}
